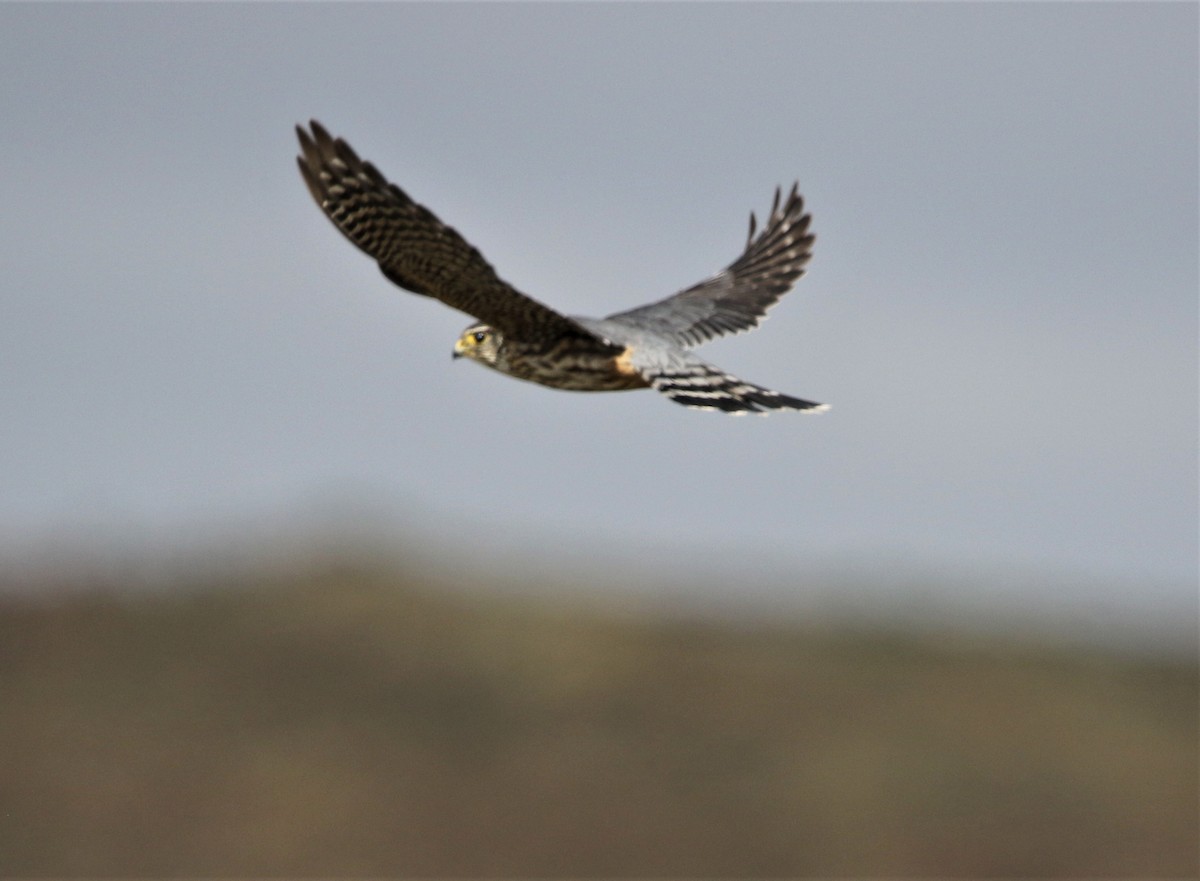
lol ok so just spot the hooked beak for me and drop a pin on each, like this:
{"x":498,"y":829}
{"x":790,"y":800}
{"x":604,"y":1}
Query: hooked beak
{"x":458,"y":350}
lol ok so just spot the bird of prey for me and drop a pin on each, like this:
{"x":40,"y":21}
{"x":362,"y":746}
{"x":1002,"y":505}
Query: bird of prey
{"x":646,"y":347}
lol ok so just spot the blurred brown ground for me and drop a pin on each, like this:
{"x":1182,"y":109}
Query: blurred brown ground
{"x":354,"y":723}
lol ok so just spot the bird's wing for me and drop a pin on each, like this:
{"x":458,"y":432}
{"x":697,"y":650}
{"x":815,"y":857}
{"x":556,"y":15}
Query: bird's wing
{"x":415,"y":249}
{"x":737,"y":297}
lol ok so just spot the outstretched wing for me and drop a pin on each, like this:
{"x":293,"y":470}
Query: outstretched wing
{"x":737,"y":297}
{"x":415,"y":249}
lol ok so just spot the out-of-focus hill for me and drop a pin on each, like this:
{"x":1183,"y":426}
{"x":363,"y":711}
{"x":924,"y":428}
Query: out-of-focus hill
{"x":346,"y":722}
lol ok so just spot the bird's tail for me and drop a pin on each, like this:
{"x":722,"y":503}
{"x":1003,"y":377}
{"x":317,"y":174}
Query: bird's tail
{"x":706,"y":387}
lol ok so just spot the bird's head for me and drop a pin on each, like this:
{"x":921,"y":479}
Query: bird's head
{"x":479,"y":342}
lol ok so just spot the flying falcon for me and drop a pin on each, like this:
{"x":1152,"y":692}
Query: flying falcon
{"x":646,"y":347}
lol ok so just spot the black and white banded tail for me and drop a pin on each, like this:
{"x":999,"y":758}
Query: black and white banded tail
{"x":705,"y":387}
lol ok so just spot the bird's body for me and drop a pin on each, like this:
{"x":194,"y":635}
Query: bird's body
{"x":646,"y":347}
{"x":585,"y":363}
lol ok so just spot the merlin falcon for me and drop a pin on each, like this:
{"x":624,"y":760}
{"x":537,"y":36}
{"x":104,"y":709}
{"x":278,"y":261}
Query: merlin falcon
{"x":646,"y":347}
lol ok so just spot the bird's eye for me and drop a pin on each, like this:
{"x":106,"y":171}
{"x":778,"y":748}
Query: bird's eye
{"x":480,"y":336}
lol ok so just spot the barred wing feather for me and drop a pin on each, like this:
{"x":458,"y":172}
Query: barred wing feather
{"x":737,"y":297}
{"x":415,"y":249}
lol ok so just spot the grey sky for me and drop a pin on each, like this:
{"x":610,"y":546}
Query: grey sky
{"x":1001,"y":310}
